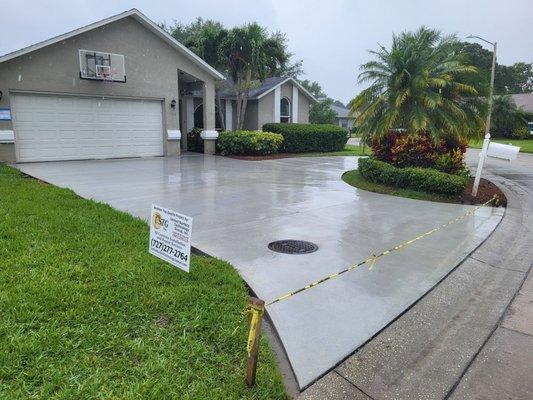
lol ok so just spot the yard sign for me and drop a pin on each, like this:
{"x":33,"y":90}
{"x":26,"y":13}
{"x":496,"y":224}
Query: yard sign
{"x":170,"y":236}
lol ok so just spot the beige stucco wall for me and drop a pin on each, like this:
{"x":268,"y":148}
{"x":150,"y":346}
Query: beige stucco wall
{"x":266,"y":105}
{"x":266,"y":110}
{"x":151,"y":71}
{"x":286,"y":91}
{"x":260,"y":112}
{"x":251,"y":115}
{"x":303,"y":109}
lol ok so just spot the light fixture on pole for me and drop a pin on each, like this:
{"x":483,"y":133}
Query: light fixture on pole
{"x":486,"y":141}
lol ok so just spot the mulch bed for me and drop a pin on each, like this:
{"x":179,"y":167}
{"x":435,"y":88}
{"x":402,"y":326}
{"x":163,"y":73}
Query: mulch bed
{"x":485,"y":192}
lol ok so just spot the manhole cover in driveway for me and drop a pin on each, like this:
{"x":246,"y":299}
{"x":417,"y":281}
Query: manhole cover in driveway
{"x":293,"y":247}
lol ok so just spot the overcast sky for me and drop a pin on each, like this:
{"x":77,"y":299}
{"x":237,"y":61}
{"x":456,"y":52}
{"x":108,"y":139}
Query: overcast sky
{"x":330,"y":36}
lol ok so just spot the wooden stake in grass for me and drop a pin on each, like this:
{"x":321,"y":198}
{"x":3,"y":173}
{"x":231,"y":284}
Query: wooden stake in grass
{"x":257,"y":308}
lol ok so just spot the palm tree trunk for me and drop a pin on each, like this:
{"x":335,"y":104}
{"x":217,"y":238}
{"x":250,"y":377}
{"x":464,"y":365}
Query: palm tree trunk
{"x":246,"y":93}
{"x":239,"y":103}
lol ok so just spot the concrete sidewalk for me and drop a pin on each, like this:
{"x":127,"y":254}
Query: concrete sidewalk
{"x":462,"y":340}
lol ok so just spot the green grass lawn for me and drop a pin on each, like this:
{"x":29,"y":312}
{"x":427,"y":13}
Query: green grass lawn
{"x":354,"y":178}
{"x":526,"y":145}
{"x":349,"y":150}
{"x":87,"y":313}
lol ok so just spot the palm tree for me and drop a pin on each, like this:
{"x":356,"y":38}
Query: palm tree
{"x":418,"y":85}
{"x":252,"y":55}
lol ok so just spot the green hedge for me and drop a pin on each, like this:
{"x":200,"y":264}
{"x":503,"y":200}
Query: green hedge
{"x":301,"y":138}
{"x":249,"y":142}
{"x":424,"y":179}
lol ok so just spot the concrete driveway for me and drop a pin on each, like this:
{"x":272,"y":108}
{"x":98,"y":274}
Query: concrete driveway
{"x":240,"y":206}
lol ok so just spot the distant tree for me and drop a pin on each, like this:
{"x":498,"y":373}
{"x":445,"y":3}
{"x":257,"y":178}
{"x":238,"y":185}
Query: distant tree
{"x":289,"y":68}
{"x":516,"y":78}
{"x":313,"y":87}
{"x":338,"y":103}
{"x":320,"y":113}
{"x":416,"y":85}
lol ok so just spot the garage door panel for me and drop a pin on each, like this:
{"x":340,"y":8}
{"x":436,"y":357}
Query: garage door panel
{"x":68,"y":128}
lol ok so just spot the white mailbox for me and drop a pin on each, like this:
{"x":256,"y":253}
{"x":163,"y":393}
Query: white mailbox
{"x":505,"y":151}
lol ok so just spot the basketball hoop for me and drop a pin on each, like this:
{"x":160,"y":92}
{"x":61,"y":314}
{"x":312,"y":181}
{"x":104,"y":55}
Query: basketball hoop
{"x":104,"y":72}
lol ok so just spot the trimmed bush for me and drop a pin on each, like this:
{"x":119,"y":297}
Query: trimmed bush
{"x":424,"y":179}
{"x":302,"y":138}
{"x":194,"y":141}
{"x":249,"y":142}
{"x":522,"y":132}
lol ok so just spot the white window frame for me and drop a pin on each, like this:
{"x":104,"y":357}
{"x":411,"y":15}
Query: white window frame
{"x":281,"y":117}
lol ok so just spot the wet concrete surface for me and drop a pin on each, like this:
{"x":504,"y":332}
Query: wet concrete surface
{"x":470,"y":337}
{"x":240,"y":206}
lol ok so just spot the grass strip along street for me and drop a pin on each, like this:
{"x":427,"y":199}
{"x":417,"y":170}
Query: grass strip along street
{"x":88,"y":313}
{"x":526,"y":145}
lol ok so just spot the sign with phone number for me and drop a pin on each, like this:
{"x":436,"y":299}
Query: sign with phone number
{"x":170,"y":236}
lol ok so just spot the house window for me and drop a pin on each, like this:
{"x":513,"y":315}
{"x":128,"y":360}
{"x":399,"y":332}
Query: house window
{"x":285,"y":110}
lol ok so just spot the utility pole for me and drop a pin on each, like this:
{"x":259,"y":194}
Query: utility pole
{"x":486,"y":141}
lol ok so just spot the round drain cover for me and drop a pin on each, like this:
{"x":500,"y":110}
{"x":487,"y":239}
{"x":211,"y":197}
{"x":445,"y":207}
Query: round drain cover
{"x":293,"y":247}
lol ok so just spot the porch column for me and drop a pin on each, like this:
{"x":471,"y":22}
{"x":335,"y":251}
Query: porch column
{"x":209,"y":134}
{"x":189,"y":113}
{"x":229,"y":114}
{"x":277,"y":100}
{"x":294,"y":104}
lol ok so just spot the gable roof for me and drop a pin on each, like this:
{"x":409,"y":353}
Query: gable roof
{"x":523,"y":100}
{"x":267,"y":86}
{"x":342,"y":112}
{"x":139,"y":17}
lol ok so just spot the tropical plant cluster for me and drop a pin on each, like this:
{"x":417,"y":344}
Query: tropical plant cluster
{"x":249,"y":142}
{"x":420,"y":84}
{"x":403,"y":150}
{"x":424,"y":179}
{"x":302,"y":138}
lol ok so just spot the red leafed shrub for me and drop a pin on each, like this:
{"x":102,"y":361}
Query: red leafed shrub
{"x":413,"y":151}
{"x":382,"y":147}
{"x":403,"y":151}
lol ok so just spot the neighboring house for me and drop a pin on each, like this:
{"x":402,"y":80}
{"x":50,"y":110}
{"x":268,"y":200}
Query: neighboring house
{"x":344,"y":120}
{"x":524,"y":101}
{"x":277,"y":99}
{"x":120,"y":87}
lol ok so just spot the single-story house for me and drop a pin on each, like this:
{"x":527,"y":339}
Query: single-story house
{"x":276,"y":99}
{"x":523,"y":100}
{"x":344,"y":119}
{"x":111,"y":89}
{"x":121,"y":87}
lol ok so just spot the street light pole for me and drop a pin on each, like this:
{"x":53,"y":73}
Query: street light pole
{"x":486,"y":141}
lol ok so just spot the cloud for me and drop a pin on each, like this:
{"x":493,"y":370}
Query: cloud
{"x":331,"y":37}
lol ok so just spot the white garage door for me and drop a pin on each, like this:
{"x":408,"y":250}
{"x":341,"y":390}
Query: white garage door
{"x":76,"y":128}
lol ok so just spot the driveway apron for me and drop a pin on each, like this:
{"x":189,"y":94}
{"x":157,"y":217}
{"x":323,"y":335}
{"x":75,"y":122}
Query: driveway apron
{"x":239,"y":207}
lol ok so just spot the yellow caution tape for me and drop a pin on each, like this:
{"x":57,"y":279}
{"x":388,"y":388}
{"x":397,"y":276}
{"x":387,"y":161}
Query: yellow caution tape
{"x":373,"y":258}
{"x":257,"y":314}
